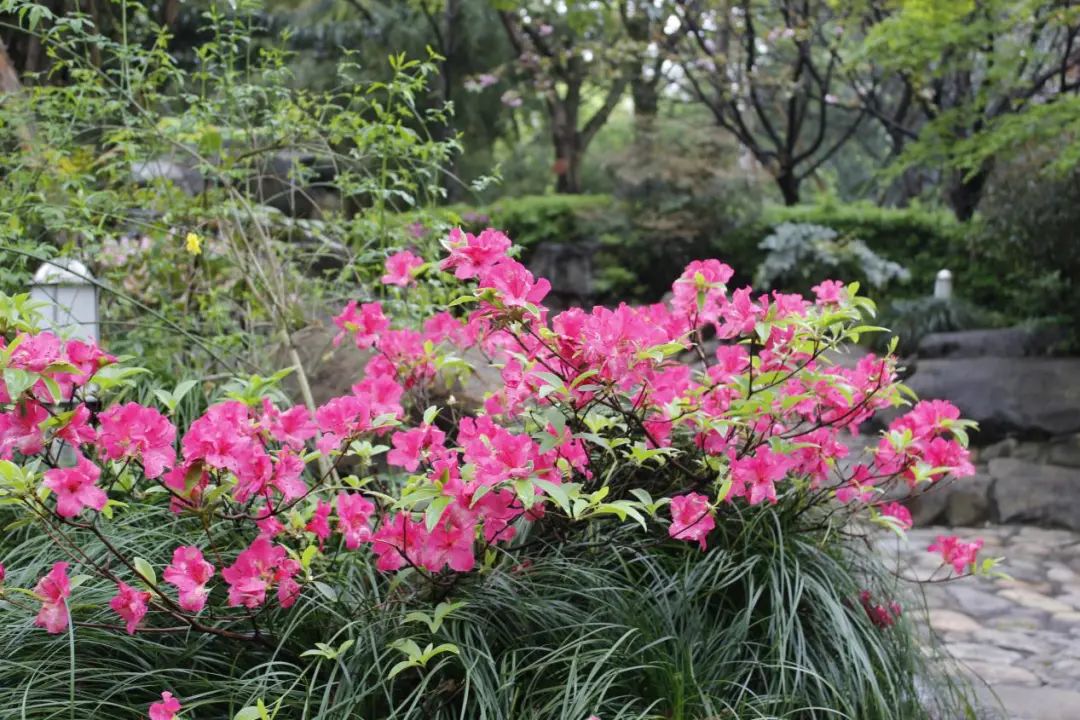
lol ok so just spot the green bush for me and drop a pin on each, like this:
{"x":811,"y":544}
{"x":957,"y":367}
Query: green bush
{"x":534,"y":219}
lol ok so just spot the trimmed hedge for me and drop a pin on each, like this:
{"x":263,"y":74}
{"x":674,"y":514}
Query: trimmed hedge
{"x":639,"y":261}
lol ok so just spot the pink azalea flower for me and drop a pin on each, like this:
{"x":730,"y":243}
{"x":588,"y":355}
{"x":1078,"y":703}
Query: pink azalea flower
{"x":77,"y":430}
{"x":75,"y":488}
{"x":353,"y":513}
{"x":515,"y":286}
{"x":470,"y":255}
{"x":88,"y":357}
{"x":53,"y":590}
{"x":755,"y":475}
{"x":383,"y":393}
{"x":340,"y":419}
{"x":691,"y":518}
{"x":137,"y":432}
{"x":166,"y":709}
{"x":130,"y":604}
{"x":878,"y":614}
{"x":256,"y":570}
{"x":829,"y":292}
{"x":190,"y":573}
{"x":400,"y":267}
{"x":292,"y":427}
{"x":960,"y":555}
{"x":450,"y":544}
{"x":897,"y":512}
{"x":35,"y":352}
{"x":398,"y":541}
{"x":411,"y":446}
{"x":364,"y":324}
{"x":20,"y":430}
{"x":3,"y":573}
{"x":319,"y":524}
{"x":700,"y":290}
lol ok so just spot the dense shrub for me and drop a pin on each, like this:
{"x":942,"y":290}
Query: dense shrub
{"x":634,"y":524}
{"x":219,"y":206}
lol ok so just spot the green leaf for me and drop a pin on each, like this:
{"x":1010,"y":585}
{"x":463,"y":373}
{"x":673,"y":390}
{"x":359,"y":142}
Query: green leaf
{"x":401,"y":667}
{"x":146,"y":570}
{"x":251,"y":712}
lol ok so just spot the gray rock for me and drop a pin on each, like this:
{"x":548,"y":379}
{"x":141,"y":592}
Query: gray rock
{"x":1010,"y":342}
{"x":1064,"y":451}
{"x":570,"y":269}
{"x":1028,"y":492}
{"x":968,"y":502}
{"x":331,"y":371}
{"x":1028,"y":397}
{"x":185,"y":178}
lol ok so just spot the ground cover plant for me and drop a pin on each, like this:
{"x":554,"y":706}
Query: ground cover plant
{"x":652,"y":515}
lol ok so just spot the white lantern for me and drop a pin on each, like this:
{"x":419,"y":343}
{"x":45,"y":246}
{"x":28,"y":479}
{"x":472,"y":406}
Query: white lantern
{"x":70,"y":299}
{"x":943,"y":285}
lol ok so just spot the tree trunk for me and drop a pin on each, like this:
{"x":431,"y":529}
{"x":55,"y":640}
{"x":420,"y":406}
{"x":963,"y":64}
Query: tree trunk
{"x":964,"y":194}
{"x":789,"y":186}
{"x":567,"y":162}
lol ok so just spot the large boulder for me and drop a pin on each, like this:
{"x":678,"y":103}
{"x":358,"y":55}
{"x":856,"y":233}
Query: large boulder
{"x":1026,"y":397}
{"x":1009,"y":342}
{"x":1028,"y":492}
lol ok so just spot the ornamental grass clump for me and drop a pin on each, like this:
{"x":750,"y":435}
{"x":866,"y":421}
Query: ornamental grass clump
{"x":654,"y":515}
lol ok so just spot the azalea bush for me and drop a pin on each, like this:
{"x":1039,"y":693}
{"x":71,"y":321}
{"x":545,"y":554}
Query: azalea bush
{"x":653,"y":513}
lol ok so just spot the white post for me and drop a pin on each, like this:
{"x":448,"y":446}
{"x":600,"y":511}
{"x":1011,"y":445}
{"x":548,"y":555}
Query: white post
{"x":69,"y":299}
{"x":943,"y":285}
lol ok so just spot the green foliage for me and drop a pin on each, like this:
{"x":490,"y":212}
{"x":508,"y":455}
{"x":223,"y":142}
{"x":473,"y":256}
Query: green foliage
{"x":219,"y":205}
{"x":533,"y":219}
{"x":799,"y":254}
{"x":769,"y":627}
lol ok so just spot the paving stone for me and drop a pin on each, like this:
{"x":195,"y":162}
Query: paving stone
{"x":971,"y":598}
{"x":1044,"y":703}
{"x":995,"y":673}
{"x":950,"y":621}
{"x":982,"y":652}
{"x":1035,"y":600}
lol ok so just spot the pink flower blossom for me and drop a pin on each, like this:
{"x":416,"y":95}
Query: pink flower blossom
{"x":897,"y":512}
{"x":137,"y":432}
{"x":471,"y":255}
{"x":353,"y":513}
{"x":411,"y":446}
{"x":20,"y":430}
{"x":53,"y":590}
{"x":190,"y":573}
{"x":341,"y":419}
{"x":514,"y":285}
{"x":450,"y":544}
{"x":878,"y":614}
{"x":961,"y":555}
{"x":77,"y":431}
{"x":3,"y":573}
{"x":365,"y":325}
{"x":700,"y":290}
{"x":755,"y":476}
{"x":75,"y":488}
{"x":166,"y":709}
{"x":319,"y":524}
{"x":400,"y":267}
{"x":829,"y":292}
{"x":292,"y":427}
{"x":130,"y":604}
{"x":256,"y":570}
{"x":691,"y":518}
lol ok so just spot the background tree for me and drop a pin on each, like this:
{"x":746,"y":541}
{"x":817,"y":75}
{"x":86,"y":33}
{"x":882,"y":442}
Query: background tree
{"x":769,"y":72}
{"x":960,"y":70}
{"x":562,"y":55}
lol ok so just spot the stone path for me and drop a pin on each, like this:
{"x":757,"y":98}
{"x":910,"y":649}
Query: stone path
{"x":1021,"y":636}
